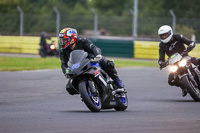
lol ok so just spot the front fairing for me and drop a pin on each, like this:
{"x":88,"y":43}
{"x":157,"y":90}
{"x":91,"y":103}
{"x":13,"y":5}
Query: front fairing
{"x":77,"y":61}
{"x":79,"y":64}
{"x":79,"y":67}
{"x":174,"y":58}
{"x":76,"y":57}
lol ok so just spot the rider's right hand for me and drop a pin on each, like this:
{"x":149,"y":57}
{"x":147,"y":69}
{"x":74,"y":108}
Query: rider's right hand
{"x":97,"y":58}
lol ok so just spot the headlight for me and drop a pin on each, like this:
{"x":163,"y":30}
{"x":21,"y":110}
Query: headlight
{"x":182,"y":63}
{"x":52,"y":47}
{"x":173,"y":68}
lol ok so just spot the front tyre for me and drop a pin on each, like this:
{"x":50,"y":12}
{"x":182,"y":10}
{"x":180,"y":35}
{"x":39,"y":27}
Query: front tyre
{"x":91,"y":101}
{"x":122,"y":102}
{"x":192,"y":90}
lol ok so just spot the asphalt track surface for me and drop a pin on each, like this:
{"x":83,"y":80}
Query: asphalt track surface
{"x":36,"y":102}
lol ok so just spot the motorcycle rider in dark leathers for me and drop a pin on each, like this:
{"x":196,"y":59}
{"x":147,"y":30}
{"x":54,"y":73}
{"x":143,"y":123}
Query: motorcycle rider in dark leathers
{"x":69,"y":41}
{"x":171,"y":44}
{"x":43,"y":41}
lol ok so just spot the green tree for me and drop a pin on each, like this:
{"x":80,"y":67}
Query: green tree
{"x":114,"y":7}
{"x":183,"y":8}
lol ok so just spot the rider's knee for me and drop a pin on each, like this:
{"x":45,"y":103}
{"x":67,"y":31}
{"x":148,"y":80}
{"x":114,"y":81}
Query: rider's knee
{"x":110,"y":64}
{"x":107,"y":64}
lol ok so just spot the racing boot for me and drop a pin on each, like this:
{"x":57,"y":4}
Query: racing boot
{"x":184,"y":92}
{"x":118,"y":82}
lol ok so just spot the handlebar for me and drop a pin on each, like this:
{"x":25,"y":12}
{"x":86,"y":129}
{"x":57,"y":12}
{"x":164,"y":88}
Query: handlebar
{"x":184,"y":53}
{"x":95,"y":61}
{"x":92,"y":60}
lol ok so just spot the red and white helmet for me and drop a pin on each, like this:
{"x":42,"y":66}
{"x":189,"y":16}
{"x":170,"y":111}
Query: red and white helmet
{"x":165,"y":33}
{"x":67,"y":37}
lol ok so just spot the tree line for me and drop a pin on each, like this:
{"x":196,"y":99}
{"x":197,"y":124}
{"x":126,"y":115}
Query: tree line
{"x":39,"y":15}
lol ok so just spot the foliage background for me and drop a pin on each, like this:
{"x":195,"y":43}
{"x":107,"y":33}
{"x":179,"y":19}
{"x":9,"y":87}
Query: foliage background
{"x":114,"y":16}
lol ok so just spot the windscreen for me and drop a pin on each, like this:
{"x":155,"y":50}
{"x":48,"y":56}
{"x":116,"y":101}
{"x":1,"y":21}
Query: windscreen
{"x":76,"y":56}
{"x":174,"y":58}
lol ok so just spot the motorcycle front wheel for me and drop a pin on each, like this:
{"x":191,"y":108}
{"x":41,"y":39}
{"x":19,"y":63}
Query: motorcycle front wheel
{"x":91,"y":101}
{"x":192,"y":90}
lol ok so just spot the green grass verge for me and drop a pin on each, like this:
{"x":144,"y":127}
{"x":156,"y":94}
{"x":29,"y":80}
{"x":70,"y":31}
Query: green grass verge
{"x":135,"y":63}
{"x":19,"y":63}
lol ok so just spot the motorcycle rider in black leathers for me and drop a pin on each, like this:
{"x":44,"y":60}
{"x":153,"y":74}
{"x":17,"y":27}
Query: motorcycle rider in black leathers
{"x":43,"y":41}
{"x":69,"y":41}
{"x":171,"y":44}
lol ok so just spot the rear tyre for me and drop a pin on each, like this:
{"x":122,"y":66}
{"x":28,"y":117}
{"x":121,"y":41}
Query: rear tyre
{"x":192,"y":90}
{"x":91,"y":101}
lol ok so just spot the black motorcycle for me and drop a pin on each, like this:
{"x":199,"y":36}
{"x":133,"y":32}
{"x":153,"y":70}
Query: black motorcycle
{"x":49,"y":50}
{"x":187,"y":74}
{"x":96,"y":88}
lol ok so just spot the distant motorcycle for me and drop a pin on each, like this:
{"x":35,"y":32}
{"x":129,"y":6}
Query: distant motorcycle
{"x":49,"y":50}
{"x":96,"y":88}
{"x":187,"y":73}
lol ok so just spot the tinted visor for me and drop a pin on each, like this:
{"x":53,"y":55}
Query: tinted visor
{"x":165,"y":35}
{"x":65,"y":42}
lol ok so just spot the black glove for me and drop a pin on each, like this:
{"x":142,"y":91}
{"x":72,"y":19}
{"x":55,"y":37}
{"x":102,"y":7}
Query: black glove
{"x":98,"y":58}
{"x":191,"y":47}
{"x":184,"y":53}
{"x":162,"y":64}
{"x":66,"y":73}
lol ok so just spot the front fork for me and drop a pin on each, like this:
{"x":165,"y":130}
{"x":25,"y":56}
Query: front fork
{"x":190,"y":76}
{"x":196,"y":70}
{"x":93,"y":88}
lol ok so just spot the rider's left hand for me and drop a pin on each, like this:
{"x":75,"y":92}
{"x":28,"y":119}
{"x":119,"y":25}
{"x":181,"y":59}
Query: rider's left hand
{"x":66,"y":73}
{"x":185,"y":52}
{"x":98,"y":58}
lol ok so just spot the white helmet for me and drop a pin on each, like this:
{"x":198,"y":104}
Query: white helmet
{"x":165,"y":33}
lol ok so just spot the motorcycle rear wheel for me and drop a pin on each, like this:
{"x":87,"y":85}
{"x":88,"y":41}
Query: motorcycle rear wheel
{"x":122,"y":102}
{"x":92,"y":102}
{"x":194,"y":92}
